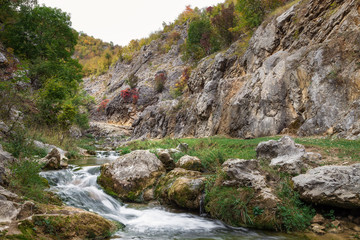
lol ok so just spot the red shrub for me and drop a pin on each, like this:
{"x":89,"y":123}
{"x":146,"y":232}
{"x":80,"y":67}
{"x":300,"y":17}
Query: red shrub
{"x":130,"y":95}
{"x":103,"y":105}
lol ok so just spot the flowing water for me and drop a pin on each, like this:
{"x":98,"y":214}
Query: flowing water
{"x":77,"y":187}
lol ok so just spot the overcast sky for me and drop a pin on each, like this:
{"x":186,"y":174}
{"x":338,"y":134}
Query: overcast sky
{"x":120,"y":21}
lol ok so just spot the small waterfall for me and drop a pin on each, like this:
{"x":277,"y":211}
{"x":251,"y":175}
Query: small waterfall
{"x":202,"y":206}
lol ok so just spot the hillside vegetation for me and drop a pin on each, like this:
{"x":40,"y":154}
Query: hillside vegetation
{"x":209,"y":30}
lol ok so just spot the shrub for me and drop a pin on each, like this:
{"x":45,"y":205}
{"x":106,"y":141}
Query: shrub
{"x":130,"y":95}
{"x":230,"y":204}
{"x":20,"y":146}
{"x":132,"y":80}
{"x":102,"y":105}
{"x":181,"y":84}
{"x":160,"y":79}
{"x":252,"y":12}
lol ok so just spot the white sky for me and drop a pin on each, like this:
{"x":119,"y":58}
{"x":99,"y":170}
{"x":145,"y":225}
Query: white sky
{"x":120,"y":21}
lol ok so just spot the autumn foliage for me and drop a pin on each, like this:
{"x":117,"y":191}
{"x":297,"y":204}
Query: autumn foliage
{"x":102,"y":105}
{"x":130,"y":95}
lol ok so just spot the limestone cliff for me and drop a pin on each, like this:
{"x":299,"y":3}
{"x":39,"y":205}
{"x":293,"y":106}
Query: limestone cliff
{"x":300,"y":73}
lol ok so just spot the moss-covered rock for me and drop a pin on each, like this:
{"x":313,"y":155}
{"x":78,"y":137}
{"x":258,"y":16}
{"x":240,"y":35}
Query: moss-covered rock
{"x":54,"y":222}
{"x":131,"y":174}
{"x":189,"y":163}
{"x":182,"y":188}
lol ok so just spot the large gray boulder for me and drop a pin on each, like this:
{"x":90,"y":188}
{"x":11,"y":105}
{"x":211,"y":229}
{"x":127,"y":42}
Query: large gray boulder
{"x":129,"y":175}
{"x":283,"y":153}
{"x":337,"y":186}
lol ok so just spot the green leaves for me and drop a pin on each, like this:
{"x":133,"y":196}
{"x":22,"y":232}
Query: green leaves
{"x":41,"y":32}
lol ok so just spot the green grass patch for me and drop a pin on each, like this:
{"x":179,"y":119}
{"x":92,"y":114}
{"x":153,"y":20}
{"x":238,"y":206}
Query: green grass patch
{"x":230,"y":205}
{"x":341,"y":148}
{"x":212,"y":151}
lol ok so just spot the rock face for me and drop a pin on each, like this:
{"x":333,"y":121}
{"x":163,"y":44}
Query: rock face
{"x":337,"y":186}
{"x":189,"y":163}
{"x":129,"y":175}
{"x":183,"y":188}
{"x":299,"y":74}
{"x":284,"y":153}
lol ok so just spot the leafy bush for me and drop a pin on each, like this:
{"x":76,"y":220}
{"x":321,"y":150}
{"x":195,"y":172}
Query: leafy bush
{"x":198,"y":43}
{"x":223,"y":21}
{"x":252,"y":12}
{"x":132,"y":80}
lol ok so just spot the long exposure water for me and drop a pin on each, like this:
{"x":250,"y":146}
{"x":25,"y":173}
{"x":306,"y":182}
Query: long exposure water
{"x":77,"y":187}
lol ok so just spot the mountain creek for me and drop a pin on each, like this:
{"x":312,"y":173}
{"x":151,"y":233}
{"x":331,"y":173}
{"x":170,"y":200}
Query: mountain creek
{"x":77,"y":187}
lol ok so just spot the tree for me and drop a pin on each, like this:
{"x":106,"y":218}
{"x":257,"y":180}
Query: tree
{"x":41,"y":32}
{"x":223,"y":22}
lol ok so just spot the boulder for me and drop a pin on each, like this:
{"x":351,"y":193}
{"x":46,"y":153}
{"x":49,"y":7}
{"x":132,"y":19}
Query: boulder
{"x":52,"y":161}
{"x":129,"y":175}
{"x":66,"y":223}
{"x":272,"y":149}
{"x":5,"y":160}
{"x":337,"y":186}
{"x":245,"y":173}
{"x":187,"y":192}
{"x":180,"y":187}
{"x":2,"y":58}
{"x":189,"y":163}
{"x":8,"y":211}
{"x":283,"y":153}
{"x":166,"y":159}
{"x":4,"y":129}
{"x":49,"y":148}
{"x":7,"y":195}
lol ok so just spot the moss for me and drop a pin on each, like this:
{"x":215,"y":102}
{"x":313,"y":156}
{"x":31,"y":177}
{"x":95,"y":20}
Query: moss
{"x":106,"y":183}
{"x":81,"y":225}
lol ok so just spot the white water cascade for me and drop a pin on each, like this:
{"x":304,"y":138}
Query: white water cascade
{"x":77,"y":187}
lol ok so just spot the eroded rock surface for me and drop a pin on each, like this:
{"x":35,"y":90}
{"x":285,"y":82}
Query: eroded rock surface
{"x":337,"y":186}
{"x":246,"y":173}
{"x":284,"y":153}
{"x":299,"y":75}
